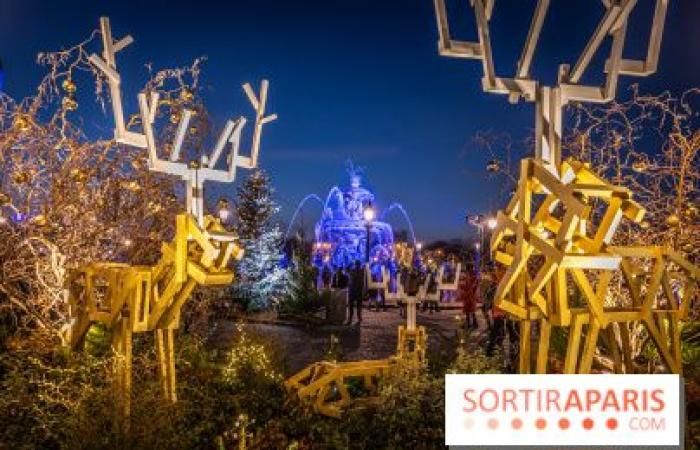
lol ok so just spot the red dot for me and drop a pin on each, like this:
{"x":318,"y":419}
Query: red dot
{"x":564,"y":423}
{"x":493,"y":423}
{"x":541,"y":424}
{"x":516,"y":423}
{"x":588,"y":423}
{"x":611,"y":423}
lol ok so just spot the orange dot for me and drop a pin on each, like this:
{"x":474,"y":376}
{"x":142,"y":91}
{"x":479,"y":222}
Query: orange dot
{"x":541,"y":424}
{"x":564,"y":423}
{"x":516,"y":423}
{"x":588,"y":423}
{"x":611,"y":423}
{"x":493,"y":423}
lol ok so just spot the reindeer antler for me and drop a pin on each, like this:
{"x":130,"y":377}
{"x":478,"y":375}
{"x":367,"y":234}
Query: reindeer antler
{"x":550,"y":100}
{"x":194,"y":175}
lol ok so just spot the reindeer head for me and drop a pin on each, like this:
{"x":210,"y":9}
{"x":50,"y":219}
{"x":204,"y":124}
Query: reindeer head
{"x":193,"y":174}
{"x":550,"y":100}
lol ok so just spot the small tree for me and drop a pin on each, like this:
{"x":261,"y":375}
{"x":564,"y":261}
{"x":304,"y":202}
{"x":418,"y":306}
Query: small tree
{"x":261,"y":277}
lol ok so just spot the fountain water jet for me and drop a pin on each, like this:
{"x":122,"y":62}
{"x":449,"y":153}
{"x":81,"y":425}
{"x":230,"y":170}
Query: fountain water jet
{"x":299,"y":207}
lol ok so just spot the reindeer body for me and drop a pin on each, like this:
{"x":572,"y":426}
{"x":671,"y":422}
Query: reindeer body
{"x":136,"y":299}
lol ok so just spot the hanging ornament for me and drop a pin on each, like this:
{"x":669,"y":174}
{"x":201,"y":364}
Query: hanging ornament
{"x":193,"y":164}
{"x":644,"y":224}
{"x":688,"y":248}
{"x":78,"y":175}
{"x":69,"y":86}
{"x":154,"y":207}
{"x":691,"y":211}
{"x":39,"y":220}
{"x":673,"y":220}
{"x":174,"y":118}
{"x":493,"y":166}
{"x":133,"y":186}
{"x":21,"y":123}
{"x":186,"y":95}
{"x":193,"y":130}
{"x":21,"y":177}
{"x":639,"y":166}
{"x":69,"y":104}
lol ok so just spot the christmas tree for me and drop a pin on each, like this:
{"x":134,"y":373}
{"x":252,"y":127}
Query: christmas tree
{"x":261,"y":279}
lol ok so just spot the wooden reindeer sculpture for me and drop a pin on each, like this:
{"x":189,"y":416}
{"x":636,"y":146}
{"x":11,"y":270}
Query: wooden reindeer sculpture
{"x":133,"y":299}
{"x":547,"y":235}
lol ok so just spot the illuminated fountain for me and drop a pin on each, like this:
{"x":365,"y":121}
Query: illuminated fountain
{"x":342,"y":231}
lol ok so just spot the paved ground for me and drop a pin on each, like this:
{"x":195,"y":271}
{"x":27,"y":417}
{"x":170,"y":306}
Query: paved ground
{"x":375,"y":338}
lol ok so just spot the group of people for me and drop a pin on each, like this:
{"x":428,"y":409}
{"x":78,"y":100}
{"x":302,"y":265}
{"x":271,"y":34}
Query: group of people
{"x":476,"y":290}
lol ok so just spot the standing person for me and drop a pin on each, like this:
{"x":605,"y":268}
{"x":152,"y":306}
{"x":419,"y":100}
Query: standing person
{"x":340,"y":279}
{"x":405,"y":276}
{"x":489,"y":291}
{"x":434,"y":303}
{"x":468,"y":294}
{"x":356,"y":292}
{"x":326,"y":276}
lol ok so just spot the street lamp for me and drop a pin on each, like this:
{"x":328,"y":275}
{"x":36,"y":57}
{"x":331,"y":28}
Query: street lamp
{"x":368,"y":214}
{"x":480,"y":221}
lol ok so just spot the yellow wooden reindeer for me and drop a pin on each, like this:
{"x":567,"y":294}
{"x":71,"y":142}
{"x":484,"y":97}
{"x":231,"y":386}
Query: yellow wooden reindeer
{"x":134,"y":299}
{"x":548,"y":235}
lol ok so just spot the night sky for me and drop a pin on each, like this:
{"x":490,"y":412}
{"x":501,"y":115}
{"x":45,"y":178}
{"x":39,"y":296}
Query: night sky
{"x":356,"y":79}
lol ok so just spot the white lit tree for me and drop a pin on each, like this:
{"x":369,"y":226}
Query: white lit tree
{"x":261,"y":277}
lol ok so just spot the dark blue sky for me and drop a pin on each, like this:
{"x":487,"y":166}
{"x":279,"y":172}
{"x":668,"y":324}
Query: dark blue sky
{"x":353,"y":78}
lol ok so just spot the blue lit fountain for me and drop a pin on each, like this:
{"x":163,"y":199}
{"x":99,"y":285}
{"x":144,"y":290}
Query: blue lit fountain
{"x":341,"y":232}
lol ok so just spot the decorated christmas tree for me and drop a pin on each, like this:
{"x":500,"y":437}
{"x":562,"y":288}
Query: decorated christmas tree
{"x":261,"y":277}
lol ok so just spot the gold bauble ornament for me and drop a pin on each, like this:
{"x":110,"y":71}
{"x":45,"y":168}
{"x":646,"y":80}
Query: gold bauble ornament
{"x":69,"y":104}
{"x":644,"y":224}
{"x":493,"y":166}
{"x":21,"y":177}
{"x":193,"y":164}
{"x":21,"y":123}
{"x":133,"y":186}
{"x":692,"y":211}
{"x":193,"y":130}
{"x":639,"y":166}
{"x":39,"y":220}
{"x":68,"y":86}
{"x":673,"y":220}
{"x":186,"y":95}
{"x":688,"y":248}
{"x":78,"y":175}
{"x":174,"y":118}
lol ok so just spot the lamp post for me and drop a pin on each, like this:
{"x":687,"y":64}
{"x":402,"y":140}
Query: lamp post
{"x":480,"y":221}
{"x":368,"y":214}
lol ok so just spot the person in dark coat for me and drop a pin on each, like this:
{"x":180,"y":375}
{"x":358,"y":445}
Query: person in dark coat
{"x":326,"y":275}
{"x":432,"y":304}
{"x":340,"y":279}
{"x":356,"y":292}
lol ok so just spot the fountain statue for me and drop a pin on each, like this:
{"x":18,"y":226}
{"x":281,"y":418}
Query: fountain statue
{"x":342,"y":231}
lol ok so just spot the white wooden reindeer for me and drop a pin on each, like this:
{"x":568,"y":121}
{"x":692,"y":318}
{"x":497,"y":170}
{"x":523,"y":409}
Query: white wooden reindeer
{"x":149,"y":298}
